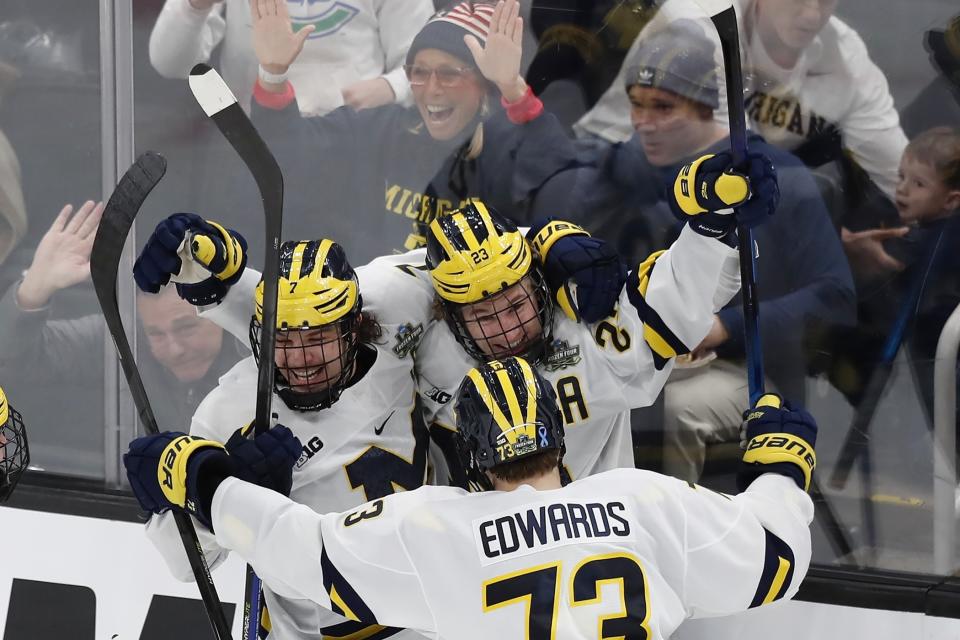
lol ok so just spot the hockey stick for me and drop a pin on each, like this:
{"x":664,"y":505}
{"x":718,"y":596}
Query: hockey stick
{"x":725,"y":23}
{"x":219,"y":103}
{"x":118,"y":216}
{"x":724,"y":19}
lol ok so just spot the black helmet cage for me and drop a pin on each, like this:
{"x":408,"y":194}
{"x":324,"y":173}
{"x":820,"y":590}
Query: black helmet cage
{"x":534,"y":346}
{"x":288,"y":388}
{"x":14,"y":453}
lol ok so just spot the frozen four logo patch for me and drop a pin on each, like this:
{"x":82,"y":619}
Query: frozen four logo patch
{"x":407,"y":338}
{"x":561,"y":355}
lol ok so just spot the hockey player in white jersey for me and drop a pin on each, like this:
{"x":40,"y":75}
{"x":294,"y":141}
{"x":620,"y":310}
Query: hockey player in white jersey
{"x":626,"y":553}
{"x":343,"y":377}
{"x":497,"y":301}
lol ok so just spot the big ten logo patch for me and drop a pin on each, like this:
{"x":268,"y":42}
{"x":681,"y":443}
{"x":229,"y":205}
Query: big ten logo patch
{"x":310,"y":449}
{"x":439,"y":396}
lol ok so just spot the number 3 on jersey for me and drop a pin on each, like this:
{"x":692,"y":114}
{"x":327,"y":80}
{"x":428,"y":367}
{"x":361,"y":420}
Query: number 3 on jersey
{"x":539,"y":589}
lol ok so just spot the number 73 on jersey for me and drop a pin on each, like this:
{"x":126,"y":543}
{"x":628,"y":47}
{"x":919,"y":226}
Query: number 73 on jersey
{"x":540,"y":590}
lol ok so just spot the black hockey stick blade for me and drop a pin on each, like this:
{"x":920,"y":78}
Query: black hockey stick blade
{"x":724,"y":20}
{"x":219,"y":103}
{"x":725,"y":23}
{"x":118,"y":216}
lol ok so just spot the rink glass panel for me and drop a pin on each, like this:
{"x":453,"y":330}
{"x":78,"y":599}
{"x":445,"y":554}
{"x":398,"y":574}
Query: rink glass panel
{"x":52,"y":119}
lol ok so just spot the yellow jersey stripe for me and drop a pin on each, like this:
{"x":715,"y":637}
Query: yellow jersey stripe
{"x":782,"y":570}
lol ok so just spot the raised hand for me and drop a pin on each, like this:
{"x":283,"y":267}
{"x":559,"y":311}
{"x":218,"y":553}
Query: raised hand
{"x":274,"y":40}
{"x":499,"y":59}
{"x":62,"y":258}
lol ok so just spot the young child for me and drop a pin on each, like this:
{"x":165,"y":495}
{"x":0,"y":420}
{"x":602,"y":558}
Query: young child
{"x":908,"y":303}
{"x":929,"y":176}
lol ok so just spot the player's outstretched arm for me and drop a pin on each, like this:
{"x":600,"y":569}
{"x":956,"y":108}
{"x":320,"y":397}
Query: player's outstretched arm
{"x":352,"y":563}
{"x":754,"y":548}
{"x":672,"y":296}
{"x":174,"y":471}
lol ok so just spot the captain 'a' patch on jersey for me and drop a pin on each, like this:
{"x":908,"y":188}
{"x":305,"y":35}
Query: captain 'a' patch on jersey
{"x":603,"y":370}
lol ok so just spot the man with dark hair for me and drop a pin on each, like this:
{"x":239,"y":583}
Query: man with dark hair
{"x":530,"y":555}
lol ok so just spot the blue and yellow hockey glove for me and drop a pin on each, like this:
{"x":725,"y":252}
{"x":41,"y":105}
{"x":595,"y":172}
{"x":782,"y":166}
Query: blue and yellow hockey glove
{"x":713,"y":199}
{"x":174,"y":470}
{"x":569,"y":254}
{"x":215,"y":259}
{"x":779,"y":439}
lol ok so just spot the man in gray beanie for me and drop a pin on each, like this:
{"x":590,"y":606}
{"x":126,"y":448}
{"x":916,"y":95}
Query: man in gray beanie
{"x":626,"y":197}
{"x":672,"y":86}
{"x":679,"y":59}
{"x":803,"y":276}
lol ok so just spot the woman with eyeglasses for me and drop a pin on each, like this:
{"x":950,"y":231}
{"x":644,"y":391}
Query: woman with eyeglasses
{"x":376,"y":178}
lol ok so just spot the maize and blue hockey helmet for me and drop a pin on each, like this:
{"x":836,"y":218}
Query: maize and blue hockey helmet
{"x":506,"y":412}
{"x":484,"y":272}
{"x":318,"y":320}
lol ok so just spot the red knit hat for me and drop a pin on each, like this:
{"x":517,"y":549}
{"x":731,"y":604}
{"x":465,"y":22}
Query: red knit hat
{"x":446,"y":30}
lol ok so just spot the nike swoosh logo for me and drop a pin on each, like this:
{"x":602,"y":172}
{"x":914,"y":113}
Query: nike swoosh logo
{"x":380,"y":430}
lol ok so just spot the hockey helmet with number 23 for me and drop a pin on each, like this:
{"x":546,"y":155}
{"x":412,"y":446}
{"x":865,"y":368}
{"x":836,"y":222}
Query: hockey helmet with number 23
{"x":475,"y":255}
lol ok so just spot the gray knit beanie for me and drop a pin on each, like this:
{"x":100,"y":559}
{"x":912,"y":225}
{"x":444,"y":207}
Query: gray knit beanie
{"x":679,"y":59}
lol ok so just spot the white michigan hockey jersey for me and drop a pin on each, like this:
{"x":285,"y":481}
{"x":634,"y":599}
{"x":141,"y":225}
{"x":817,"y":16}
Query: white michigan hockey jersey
{"x":603,"y":370}
{"x":626,"y":553}
{"x":368,"y":444}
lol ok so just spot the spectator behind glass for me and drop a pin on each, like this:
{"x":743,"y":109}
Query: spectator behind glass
{"x":811,"y":86}
{"x":375,"y":179}
{"x":938,"y":104}
{"x":921,"y":283}
{"x":803,"y":277}
{"x":13,"y":211}
{"x":353,"y":56}
{"x":186,"y":355}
